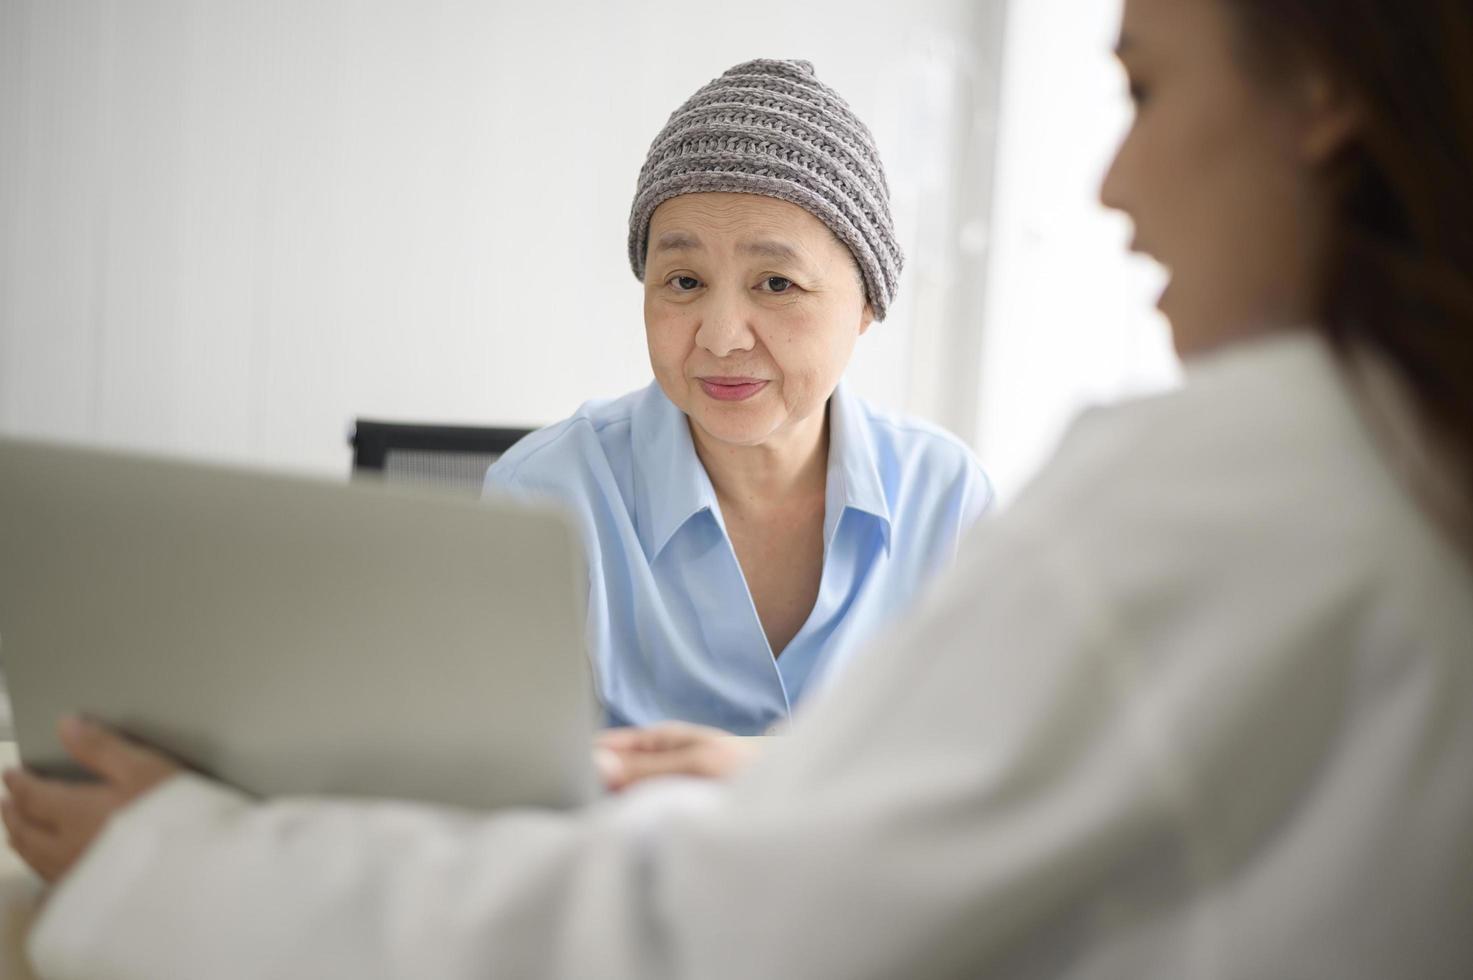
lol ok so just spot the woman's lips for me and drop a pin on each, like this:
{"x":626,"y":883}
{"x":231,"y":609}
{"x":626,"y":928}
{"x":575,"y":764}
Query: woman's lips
{"x":732,"y":389}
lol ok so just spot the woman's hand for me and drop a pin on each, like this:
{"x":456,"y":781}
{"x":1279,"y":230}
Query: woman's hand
{"x":625,"y":756}
{"x":52,"y":822}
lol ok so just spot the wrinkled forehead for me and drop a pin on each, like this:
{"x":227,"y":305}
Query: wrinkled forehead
{"x":746,"y":223}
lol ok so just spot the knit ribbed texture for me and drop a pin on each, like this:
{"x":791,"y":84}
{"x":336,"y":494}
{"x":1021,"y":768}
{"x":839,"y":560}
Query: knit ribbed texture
{"x":772,"y":128}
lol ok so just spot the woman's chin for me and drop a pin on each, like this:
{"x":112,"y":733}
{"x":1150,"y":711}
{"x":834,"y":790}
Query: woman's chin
{"x":1179,"y":339}
{"x":731,"y":426}
{"x":1185,"y":332}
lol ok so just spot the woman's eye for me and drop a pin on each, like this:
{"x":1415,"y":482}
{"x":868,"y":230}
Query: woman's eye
{"x":684,"y":284}
{"x":776,"y":284}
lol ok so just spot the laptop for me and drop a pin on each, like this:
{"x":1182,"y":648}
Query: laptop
{"x":292,"y":636}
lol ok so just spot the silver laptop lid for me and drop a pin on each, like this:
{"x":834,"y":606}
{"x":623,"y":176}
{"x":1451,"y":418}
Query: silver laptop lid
{"x":291,"y":635}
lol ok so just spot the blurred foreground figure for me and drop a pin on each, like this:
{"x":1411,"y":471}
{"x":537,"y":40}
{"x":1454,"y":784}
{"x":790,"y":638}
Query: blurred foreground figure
{"x":1199,"y":705}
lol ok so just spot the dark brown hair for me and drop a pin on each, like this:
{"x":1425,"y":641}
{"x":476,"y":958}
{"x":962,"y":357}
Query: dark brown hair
{"x":1400,"y":281}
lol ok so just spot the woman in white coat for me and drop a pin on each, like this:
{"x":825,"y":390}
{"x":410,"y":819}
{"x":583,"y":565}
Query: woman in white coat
{"x":1212,"y":714}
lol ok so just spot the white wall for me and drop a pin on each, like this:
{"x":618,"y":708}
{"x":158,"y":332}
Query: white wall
{"x":1070,"y":317}
{"x":229,"y":226}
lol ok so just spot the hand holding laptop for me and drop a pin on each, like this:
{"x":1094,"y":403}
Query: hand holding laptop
{"x":51,"y":822}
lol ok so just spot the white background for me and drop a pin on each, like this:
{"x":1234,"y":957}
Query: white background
{"x":228,"y":227}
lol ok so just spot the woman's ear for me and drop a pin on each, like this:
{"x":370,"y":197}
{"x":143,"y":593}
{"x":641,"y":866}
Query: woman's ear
{"x":866,"y":318}
{"x":1331,"y":117}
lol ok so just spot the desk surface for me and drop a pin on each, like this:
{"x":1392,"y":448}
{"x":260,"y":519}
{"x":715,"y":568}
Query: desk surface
{"x":19,"y":890}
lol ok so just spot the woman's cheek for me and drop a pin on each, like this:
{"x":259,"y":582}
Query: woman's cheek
{"x":670,"y":340}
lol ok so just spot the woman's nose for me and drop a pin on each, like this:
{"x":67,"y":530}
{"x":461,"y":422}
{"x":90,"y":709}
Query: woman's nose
{"x":725,"y":328}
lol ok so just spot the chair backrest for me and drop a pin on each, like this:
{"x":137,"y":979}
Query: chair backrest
{"x":454,"y":457}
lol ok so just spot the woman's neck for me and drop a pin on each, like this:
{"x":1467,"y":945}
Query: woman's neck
{"x":790,"y":467}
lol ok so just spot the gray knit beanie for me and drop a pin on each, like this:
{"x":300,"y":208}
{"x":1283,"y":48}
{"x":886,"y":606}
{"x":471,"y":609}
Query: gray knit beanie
{"x":772,"y":128}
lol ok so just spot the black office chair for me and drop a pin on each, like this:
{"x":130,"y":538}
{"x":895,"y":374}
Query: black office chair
{"x":453,"y":457}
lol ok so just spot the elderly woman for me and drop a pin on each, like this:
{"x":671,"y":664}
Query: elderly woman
{"x":749,"y":521}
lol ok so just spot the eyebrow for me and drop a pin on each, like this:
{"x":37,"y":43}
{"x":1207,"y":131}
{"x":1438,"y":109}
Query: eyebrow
{"x":769,"y":249}
{"x":677,"y":241}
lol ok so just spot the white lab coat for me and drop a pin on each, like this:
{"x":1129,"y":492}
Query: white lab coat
{"x":1200,"y":704}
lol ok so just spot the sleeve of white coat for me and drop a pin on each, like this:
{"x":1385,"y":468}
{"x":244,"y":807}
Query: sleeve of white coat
{"x":966,"y":782}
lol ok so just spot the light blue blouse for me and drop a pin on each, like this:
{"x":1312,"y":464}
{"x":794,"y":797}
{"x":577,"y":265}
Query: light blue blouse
{"x":672,"y":630}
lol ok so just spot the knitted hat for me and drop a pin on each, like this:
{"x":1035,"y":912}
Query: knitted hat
{"x":772,"y":128}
